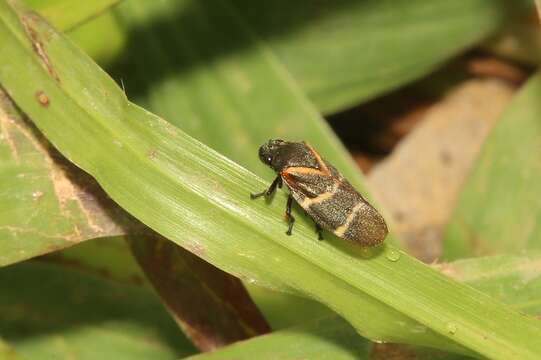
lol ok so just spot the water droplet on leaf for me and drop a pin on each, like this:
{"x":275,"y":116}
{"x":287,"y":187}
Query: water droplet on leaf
{"x":393,"y":255}
{"x":451,"y":328}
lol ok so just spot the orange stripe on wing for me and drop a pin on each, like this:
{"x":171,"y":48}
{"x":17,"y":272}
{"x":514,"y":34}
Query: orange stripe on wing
{"x":322,"y":165}
{"x":302,"y":170}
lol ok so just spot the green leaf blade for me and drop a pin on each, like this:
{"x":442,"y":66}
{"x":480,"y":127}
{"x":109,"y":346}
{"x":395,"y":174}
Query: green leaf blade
{"x":358,"y":50}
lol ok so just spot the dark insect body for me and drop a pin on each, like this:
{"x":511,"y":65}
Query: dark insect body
{"x":322,"y":192}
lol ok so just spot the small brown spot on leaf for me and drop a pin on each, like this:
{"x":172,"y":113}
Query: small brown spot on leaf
{"x":42,"y":98}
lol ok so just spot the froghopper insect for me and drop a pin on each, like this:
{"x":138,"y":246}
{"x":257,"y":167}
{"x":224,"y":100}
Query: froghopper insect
{"x":326,"y":196}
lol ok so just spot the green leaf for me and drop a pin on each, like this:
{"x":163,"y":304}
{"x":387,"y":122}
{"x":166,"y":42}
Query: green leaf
{"x":46,"y":203}
{"x":108,"y":257}
{"x":345,"y":52}
{"x":356,"y":50}
{"x":207,"y":112}
{"x":197,"y":198}
{"x":67,"y":14}
{"x":101,"y":37}
{"x":7,"y":352}
{"x":327,"y":338}
{"x":69,"y":200}
{"x":229,"y":102}
{"x":512,"y":279}
{"x":283,"y":310}
{"x":515,"y":280}
{"x":499,"y":209}
{"x":48,"y":312}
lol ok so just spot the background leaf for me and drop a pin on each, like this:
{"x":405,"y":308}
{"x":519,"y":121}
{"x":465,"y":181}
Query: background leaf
{"x":66,"y":14}
{"x":108,"y":257}
{"x":345,"y":52}
{"x":100,"y":37}
{"x":321,"y":339}
{"x":353,"y":46}
{"x":127,"y":138}
{"x":512,"y":279}
{"x":46,"y":203}
{"x":49,"y":317}
{"x":506,"y":182}
{"x":7,"y":352}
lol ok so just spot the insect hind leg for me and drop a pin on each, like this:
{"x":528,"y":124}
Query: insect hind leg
{"x":290,"y":217}
{"x":270,"y":190}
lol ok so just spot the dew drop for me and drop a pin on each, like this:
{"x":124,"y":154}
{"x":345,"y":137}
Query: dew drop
{"x":451,"y":328}
{"x":392,"y":255}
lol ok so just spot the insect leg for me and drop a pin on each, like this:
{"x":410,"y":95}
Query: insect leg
{"x":290,"y":217}
{"x":319,"y":231}
{"x":270,"y":190}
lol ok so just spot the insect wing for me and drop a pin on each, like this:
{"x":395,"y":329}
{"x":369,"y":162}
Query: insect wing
{"x":307,"y":182}
{"x":336,"y":206}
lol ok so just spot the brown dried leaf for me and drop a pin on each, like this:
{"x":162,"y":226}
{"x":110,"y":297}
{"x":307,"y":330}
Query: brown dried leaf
{"x":428,"y":167}
{"x":211,"y":306}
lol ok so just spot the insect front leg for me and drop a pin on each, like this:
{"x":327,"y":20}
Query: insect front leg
{"x":290,"y":217}
{"x":319,"y":231}
{"x":270,"y":190}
